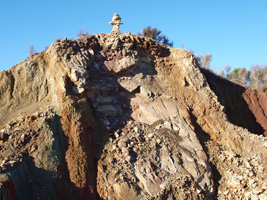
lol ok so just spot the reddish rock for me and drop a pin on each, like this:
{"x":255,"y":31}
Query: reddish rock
{"x":257,"y":103}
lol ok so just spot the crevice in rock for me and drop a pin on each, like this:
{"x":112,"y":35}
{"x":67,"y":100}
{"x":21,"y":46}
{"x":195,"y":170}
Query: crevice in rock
{"x":204,"y":137}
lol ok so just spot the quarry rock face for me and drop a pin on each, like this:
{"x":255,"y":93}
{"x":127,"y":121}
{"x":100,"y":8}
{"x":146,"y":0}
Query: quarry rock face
{"x":119,"y":116}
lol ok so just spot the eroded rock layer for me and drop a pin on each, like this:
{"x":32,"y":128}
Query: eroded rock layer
{"x":122,"y":117}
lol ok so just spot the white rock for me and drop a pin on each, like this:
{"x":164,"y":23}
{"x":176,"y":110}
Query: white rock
{"x":251,"y":174}
{"x":167,"y":125}
{"x":136,"y":129}
{"x":91,"y":51}
{"x":128,"y":158}
{"x":235,"y":183}
{"x":158,"y":141}
{"x":117,"y":135}
{"x":175,"y":128}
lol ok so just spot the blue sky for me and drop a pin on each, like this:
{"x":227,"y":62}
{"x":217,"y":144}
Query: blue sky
{"x":234,"y":32}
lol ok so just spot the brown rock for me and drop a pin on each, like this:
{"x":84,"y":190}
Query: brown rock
{"x":131,"y":83}
{"x":122,"y":64}
{"x":125,"y":191}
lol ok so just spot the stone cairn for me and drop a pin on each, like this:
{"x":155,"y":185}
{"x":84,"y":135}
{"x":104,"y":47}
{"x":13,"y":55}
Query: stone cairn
{"x":116,"y":22}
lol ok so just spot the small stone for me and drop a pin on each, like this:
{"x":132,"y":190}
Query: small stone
{"x":91,"y":51}
{"x":113,"y":147}
{"x":158,"y":141}
{"x":125,"y":151}
{"x":229,"y":153}
{"x":110,"y":159}
{"x":226,"y":192}
{"x":122,"y":144}
{"x":117,"y":135}
{"x":235,"y":183}
{"x":33,"y":148}
{"x":128,"y":158}
{"x":8,"y":126}
{"x":251,"y":181}
{"x":175,"y":128}
{"x":168,"y":125}
{"x":136,"y":129}
{"x":158,"y":127}
{"x":198,"y":191}
{"x":222,"y":157}
{"x":257,"y":191}
{"x":251,"y":174}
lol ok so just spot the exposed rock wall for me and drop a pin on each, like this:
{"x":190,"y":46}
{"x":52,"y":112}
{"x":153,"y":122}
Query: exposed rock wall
{"x":122,"y":117}
{"x":257,"y":103}
{"x":243,"y":107}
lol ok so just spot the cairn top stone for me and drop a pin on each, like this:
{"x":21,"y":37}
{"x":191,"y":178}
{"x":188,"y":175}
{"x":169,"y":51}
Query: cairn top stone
{"x":116,"y":22}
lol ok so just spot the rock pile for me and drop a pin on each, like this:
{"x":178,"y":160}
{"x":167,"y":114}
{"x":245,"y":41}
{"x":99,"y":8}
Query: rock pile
{"x":242,"y":177}
{"x":146,"y":162}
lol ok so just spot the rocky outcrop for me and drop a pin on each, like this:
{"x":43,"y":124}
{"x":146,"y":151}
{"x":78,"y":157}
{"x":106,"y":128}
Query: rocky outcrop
{"x":122,"y":117}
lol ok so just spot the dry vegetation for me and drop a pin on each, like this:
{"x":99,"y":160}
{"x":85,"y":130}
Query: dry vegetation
{"x":255,"y":77}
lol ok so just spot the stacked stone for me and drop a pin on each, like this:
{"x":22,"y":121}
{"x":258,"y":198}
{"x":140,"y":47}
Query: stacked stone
{"x":116,"y":22}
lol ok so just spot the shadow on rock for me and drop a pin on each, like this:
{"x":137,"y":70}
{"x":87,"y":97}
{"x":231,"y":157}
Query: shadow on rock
{"x":231,"y":96}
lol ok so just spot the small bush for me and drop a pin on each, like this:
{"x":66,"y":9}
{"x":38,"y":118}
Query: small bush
{"x":156,"y":34}
{"x":58,"y":39}
{"x":82,"y":32}
{"x":31,"y":50}
{"x":204,"y":61}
